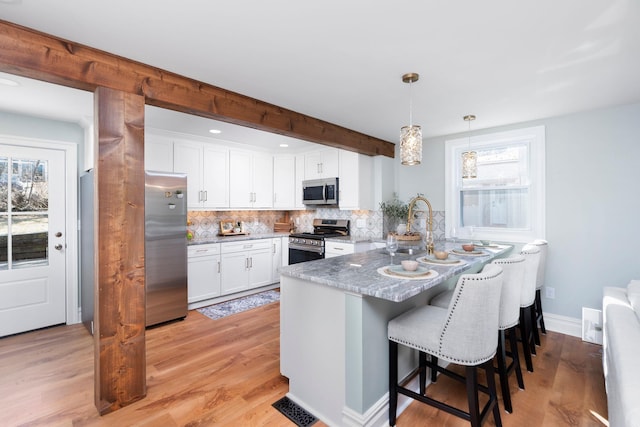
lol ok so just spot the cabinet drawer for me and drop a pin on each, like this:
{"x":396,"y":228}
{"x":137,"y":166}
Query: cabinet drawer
{"x":245,"y":245}
{"x":339,"y":247}
{"x":203,"y":250}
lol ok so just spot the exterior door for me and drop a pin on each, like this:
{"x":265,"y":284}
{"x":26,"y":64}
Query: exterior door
{"x":32,"y":238}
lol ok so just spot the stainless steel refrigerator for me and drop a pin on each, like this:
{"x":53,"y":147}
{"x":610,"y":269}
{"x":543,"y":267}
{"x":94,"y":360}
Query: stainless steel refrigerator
{"x":165,"y":250}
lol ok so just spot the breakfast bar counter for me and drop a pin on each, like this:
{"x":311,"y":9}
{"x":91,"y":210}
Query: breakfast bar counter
{"x":333,"y":327}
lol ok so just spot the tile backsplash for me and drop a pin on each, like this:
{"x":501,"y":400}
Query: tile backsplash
{"x":206,"y":224}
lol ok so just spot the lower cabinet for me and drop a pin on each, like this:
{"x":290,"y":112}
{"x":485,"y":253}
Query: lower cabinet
{"x":245,"y":265}
{"x":203,"y":270}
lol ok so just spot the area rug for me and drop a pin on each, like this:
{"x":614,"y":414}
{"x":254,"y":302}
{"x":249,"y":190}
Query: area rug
{"x":239,"y":305}
{"x":294,"y":412}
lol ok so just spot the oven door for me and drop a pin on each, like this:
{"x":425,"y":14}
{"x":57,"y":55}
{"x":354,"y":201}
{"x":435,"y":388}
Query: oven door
{"x":297,"y":255}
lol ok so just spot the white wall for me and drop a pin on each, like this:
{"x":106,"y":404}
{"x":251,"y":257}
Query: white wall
{"x":592,"y":197}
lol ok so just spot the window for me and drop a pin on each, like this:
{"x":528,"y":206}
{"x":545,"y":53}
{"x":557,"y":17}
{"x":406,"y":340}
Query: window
{"x":506,"y":201}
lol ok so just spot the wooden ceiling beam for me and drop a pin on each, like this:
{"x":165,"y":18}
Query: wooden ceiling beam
{"x":33,"y":54}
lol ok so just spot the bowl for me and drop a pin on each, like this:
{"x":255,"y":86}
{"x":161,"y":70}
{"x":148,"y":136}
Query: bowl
{"x":441,"y":254}
{"x":409,"y":265}
{"x":485,"y":242}
{"x":468,"y":247}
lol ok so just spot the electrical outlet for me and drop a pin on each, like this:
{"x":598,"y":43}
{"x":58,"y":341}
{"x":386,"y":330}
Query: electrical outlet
{"x":549,"y":292}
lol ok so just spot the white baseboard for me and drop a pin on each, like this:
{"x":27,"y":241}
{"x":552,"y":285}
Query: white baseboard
{"x":563,"y":324}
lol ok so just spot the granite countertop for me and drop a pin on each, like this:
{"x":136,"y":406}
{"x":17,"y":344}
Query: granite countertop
{"x":349,"y":239}
{"x":358,"y":273}
{"x":222,"y":239}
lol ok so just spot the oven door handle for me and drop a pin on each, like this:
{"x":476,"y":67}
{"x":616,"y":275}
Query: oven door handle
{"x":316,"y":249}
{"x":324,"y":192}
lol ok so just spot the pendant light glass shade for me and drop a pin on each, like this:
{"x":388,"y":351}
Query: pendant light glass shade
{"x":411,"y":145}
{"x":410,"y":136}
{"x":469,"y":158}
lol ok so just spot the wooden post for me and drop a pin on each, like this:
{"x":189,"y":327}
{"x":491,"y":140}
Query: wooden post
{"x":119,"y":324}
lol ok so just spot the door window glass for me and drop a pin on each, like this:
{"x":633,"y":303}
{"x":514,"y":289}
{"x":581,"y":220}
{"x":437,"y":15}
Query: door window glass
{"x":24,"y":220}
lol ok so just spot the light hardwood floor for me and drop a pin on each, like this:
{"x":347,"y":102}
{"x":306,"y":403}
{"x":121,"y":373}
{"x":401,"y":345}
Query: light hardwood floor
{"x":226,"y":372}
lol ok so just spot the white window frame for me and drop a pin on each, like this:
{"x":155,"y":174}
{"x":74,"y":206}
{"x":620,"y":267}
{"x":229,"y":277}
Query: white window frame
{"x":534,"y":137}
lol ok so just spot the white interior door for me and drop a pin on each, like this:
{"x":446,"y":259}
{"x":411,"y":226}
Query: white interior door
{"x":32,"y":238}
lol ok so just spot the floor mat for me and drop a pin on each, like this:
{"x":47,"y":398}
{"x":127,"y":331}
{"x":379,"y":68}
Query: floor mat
{"x":294,"y":412}
{"x":227,"y":308}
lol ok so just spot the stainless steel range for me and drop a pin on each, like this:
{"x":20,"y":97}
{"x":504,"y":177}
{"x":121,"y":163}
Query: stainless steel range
{"x":310,"y":246}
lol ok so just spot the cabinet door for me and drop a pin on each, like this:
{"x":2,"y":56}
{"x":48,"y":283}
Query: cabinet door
{"x":240,"y":179}
{"x":276,"y":259}
{"x":260,"y":271}
{"x":313,"y":165}
{"x":234,"y":272}
{"x":299,"y":178}
{"x":215,"y":177}
{"x":330,"y":163}
{"x":187,"y":158}
{"x":356,"y":181}
{"x":284,"y":181}
{"x":203,"y":278}
{"x":158,"y":154}
{"x":262,"y":181}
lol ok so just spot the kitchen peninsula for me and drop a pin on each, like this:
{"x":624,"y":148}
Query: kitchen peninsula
{"x":333,"y":329}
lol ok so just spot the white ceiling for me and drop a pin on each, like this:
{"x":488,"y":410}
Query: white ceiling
{"x":342,"y":61}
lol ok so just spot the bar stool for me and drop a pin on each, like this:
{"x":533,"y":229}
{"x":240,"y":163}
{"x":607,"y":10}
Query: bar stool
{"x":538,"y":316}
{"x":513,"y":275}
{"x":464,"y":334}
{"x":531,"y":254}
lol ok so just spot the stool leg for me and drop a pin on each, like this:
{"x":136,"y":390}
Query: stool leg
{"x":434,"y":372}
{"x":525,"y":319}
{"x":540,"y":315}
{"x":393,"y":382}
{"x":423,"y":371}
{"x":534,"y":326}
{"x":491,"y":385}
{"x":501,"y":356}
{"x":513,"y":343}
{"x":472,"y":395}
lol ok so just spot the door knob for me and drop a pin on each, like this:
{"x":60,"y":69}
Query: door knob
{"x":58,"y":247}
{"x":58,"y":234}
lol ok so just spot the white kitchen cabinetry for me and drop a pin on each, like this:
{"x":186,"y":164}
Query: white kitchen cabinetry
{"x":245,"y":265}
{"x":276,"y":259}
{"x":321,"y":164}
{"x":284,"y":181}
{"x":206,"y":166}
{"x":251,"y":179}
{"x":299,"y":177}
{"x":158,"y":153}
{"x":203,"y":270}
{"x":356,"y":181}
{"x":334,"y":249}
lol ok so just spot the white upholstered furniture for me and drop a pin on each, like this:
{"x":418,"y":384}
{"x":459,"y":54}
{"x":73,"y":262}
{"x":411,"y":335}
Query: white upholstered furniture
{"x":621,"y":353}
{"x":531,"y":255}
{"x":465,"y":334}
{"x":542,"y":267}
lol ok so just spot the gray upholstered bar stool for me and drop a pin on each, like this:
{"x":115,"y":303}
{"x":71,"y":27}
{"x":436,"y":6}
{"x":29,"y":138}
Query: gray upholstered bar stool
{"x":531,"y":255}
{"x":513,"y":276}
{"x":463,"y":334}
{"x":542,"y":266}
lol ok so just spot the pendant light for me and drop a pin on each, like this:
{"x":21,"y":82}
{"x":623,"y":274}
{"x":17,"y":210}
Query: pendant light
{"x":469,"y":158}
{"x":410,"y":136}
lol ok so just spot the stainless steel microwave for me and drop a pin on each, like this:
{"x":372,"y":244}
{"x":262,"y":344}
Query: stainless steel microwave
{"x":320,"y":191}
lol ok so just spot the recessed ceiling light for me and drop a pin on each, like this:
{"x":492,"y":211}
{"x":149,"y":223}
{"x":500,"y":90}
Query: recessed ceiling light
{"x":8,"y":82}
{"x":215,"y":131}
{"x":284,"y":145}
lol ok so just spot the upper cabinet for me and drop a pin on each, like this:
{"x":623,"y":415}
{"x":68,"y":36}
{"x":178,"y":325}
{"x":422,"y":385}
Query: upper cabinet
{"x":158,"y":153}
{"x":284,"y":181}
{"x":251,"y":179}
{"x":207,"y":169}
{"x":356,"y":181}
{"x":321,"y":163}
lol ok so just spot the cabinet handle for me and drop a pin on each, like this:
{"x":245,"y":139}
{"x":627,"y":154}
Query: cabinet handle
{"x":250,"y":262}
{"x":338,"y":249}
{"x":206,"y":196}
{"x":274,"y":248}
{"x":246,"y":263}
{"x":218,"y":266}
